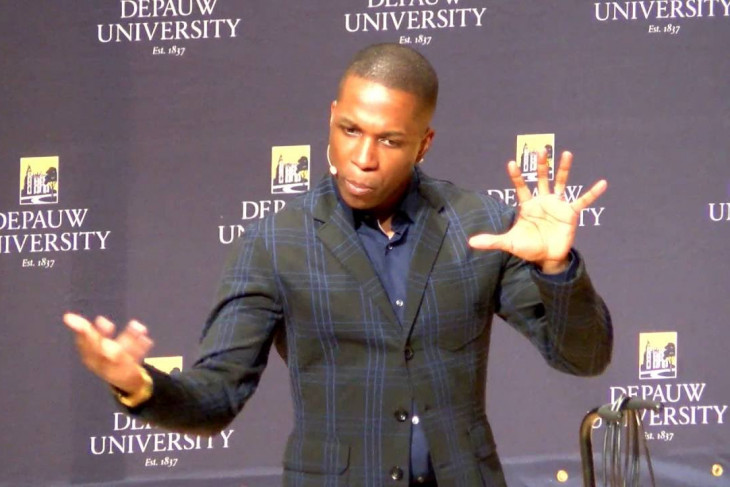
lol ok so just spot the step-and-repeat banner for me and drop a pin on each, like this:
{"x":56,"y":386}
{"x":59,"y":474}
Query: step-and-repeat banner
{"x":139,"y":137}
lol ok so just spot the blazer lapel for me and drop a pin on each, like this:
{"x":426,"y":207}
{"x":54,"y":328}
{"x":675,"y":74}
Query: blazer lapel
{"x":338,"y":235}
{"x":428,"y":231}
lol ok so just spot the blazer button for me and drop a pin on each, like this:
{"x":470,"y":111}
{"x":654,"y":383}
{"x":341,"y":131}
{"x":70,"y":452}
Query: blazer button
{"x":401,"y":415}
{"x":409,"y":353}
{"x":396,"y":473}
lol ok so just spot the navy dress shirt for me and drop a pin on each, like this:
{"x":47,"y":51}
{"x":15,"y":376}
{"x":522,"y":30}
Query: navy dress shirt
{"x":391,"y":260}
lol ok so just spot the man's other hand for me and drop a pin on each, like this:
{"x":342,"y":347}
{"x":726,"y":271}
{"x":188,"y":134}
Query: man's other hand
{"x":116,"y":359}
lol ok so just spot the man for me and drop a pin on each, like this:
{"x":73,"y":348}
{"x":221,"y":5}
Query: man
{"x":379,"y":302}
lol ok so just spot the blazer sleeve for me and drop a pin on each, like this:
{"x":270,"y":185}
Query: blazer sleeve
{"x":234,"y":348}
{"x":567,"y":321}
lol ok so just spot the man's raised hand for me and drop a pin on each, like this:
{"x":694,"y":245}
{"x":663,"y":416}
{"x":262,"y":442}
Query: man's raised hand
{"x":116,"y":359}
{"x":545,"y":227}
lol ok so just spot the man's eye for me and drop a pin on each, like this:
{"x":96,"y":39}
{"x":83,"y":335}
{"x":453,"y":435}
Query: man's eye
{"x":350,"y":130}
{"x":390,"y":142}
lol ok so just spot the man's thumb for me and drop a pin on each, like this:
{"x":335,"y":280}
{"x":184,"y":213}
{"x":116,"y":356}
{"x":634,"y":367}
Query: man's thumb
{"x":486,"y":241}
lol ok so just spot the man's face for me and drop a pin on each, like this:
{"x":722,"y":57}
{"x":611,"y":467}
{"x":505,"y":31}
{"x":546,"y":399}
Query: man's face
{"x":377,"y":135}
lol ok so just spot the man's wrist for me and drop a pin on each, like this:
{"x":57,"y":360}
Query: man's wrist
{"x":552,"y":267}
{"x":138,"y":396}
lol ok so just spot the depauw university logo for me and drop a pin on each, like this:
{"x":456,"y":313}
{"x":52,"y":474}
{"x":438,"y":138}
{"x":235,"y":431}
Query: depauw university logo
{"x":658,"y":355}
{"x":166,"y":364}
{"x":39,"y":180}
{"x":290,"y":169}
{"x":528,"y":148}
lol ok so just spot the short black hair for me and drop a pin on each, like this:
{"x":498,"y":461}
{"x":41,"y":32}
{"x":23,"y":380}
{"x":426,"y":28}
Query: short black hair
{"x":397,"y":67}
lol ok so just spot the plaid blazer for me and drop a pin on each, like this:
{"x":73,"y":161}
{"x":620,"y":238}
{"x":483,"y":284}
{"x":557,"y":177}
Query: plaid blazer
{"x":301,"y":279}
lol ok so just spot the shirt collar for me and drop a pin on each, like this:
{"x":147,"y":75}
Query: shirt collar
{"x":407,"y":208}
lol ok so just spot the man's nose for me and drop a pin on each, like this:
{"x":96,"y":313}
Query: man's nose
{"x":364,"y":156}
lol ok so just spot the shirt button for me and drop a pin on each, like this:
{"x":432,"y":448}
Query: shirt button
{"x":390,"y":247}
{"x":401,"y":415}
{"x":399,"y":303}
{"x":396,"y":473}
{"x":408,"y":353}
{"x":415,"y":420}
{"x":420,"y":479}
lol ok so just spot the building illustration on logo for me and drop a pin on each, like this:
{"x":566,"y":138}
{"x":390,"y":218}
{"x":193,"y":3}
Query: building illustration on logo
{"x":658,"y":355}
{"x":528,"y":148}
{"x":290,"y":169}
{"x":39,"y":180}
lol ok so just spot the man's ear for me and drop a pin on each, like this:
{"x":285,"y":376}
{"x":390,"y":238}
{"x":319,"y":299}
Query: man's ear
{"x":425,"y":144}
{"x":333,"y":105}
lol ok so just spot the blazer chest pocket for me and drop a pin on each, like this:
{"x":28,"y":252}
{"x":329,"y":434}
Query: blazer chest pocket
{"x":455,"y":335}
{"x":459,"y":299}
{"x":316,"y":462}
